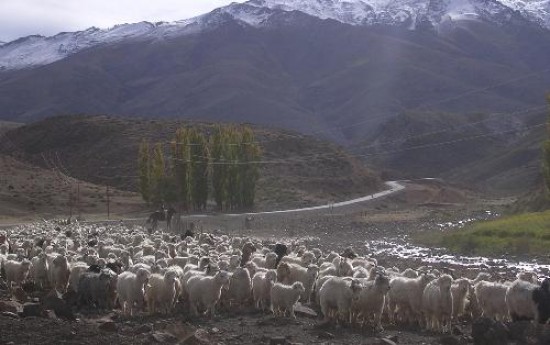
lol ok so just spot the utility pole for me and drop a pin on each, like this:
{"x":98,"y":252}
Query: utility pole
{"x":78,"y":197}
{"x":108,"y":209}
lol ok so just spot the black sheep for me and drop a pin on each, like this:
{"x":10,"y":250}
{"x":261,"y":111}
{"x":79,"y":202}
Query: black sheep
{"x":281,"y":250}
{"x":541,"y":297}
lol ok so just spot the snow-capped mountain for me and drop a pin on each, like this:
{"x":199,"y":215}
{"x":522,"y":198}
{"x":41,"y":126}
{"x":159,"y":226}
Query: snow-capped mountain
{"x":35,"y":50}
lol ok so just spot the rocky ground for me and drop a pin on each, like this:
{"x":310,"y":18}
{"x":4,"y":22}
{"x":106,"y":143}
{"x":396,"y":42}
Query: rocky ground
{"x":355,"y":226}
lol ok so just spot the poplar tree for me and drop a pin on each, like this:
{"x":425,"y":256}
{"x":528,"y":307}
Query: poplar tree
{"x":158,"y":174}
{"x":199,"y":169}
{"x":249,"y":169}
{"x":218,"y":143}
{"x":181,"y":166}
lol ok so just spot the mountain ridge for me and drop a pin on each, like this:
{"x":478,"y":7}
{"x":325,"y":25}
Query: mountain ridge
{"x":35,"y":50}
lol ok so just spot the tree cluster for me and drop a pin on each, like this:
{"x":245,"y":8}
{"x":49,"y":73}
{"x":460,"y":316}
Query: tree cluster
{"x":222,"y":165}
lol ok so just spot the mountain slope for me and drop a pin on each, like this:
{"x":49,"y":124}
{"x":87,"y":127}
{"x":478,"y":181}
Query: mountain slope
{"x":299,"y":170}
{"x":37,"y":50}
{"x":308,"y":75}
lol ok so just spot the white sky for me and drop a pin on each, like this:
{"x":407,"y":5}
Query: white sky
{"x":48,"y":17}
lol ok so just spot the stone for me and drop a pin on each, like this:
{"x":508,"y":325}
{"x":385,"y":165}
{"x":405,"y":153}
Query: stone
{"x":300,"y":309}
{"x":385,"y":341}
{"x":326,"y":335}
{"x":164,"y":338}
{"x":9,"y":314}
{"x":32,"y":309}
{"x":10,"y":306}
{"x":59,"y":307}
{"x":489,"y":332}
{"x":108,"y":326}
{"x":145,"y":328}
{"x":449,"y":340}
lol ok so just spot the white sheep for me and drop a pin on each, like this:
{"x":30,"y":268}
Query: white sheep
{"x":262,"y":282}
{"x":240,"y":287}
{"x":335,"y":298}
{"x":491,"y":299}
{"x":39,"y":270}
{"x":284,"y":297}
{"x":16,"y":271}
{"x":206,"y":291}
{"x":371,"y":300}
{"x":405,"y":298}
{"x":340,"y":267}
{"x":519,"y":300}
{"x":305,"y":260}
{"x":131,"y":290}
{"x":268,"y":261}
{"x":459,"y":290}
{"x":437,"y":304}
{"x":59,"y":273}
{"x":162,"y":291}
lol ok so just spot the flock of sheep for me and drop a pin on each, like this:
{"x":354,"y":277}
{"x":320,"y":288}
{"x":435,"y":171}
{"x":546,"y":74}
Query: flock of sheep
{"x":115,"y":266}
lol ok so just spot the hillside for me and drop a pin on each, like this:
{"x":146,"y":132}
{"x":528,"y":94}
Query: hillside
{"x":498,"y":153}
{"x":295,"y":71}
{"x":299,"y":170}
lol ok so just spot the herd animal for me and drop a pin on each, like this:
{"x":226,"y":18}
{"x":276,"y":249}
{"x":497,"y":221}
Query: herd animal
{"x":121,"y":267}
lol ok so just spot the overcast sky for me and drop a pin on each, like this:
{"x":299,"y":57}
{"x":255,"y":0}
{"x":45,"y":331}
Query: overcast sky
{"x":47,"y":17}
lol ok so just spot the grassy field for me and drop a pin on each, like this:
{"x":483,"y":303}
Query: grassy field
{"x":523,"y":234}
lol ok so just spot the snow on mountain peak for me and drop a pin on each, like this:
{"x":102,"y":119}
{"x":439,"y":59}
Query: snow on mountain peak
{"x":34,"y":51}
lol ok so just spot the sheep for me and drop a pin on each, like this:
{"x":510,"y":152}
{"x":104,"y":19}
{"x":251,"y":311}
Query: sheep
{"x":405,"y":298}
{"x":268,"y":261}
{"x":16,"y":272}
{"x":97,"y":289}
{"x":541,"y":297}
{"x":240,"y":286}
{"x":459,"y":291}
{"x":206,"y":291}
{"x":437,"y":304}
{"x":305,"y":260}
{"x":409,"y":273}
{"x":74,"y":277}
{"x":162,"y":291}
{"x":335,"y":297}
{"x":131,"y":290}
{"x":59,"y":273}
{"x":340,"y":267}
{"x":530,"y":277}
{"x":284,"y":297}
{"x":280,"y":250}
{"x":262,"y":282}
{"x":491,"y":299}
{"x":39,"y":270}
{"x":519,"y":300}
{"x":371,"y":300}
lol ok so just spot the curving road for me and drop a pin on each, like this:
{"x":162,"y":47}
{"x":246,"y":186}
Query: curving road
{"x":394,"y":186}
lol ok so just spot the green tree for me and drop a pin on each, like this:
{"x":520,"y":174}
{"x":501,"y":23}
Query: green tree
{"x":198,"y":169}
{"x":181,"y":167}
{"x":249,"y":168}
{"x":219,"y":168}
{"x":158,"y":175}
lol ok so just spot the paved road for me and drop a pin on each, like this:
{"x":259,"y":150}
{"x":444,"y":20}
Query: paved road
{"x":394,"y":186}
